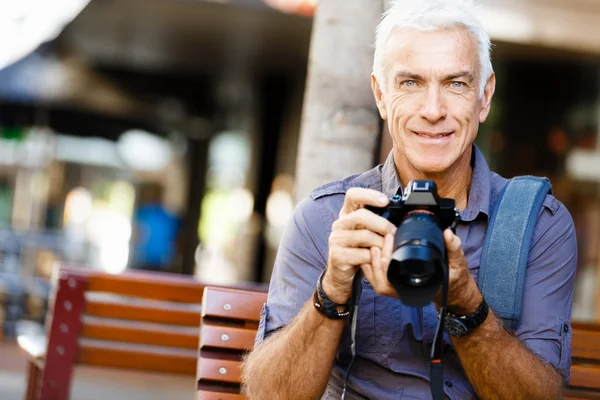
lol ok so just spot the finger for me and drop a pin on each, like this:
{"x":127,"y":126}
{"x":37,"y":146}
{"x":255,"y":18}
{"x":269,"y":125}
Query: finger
{"x":349,"y":256}
{"x":381,"y":258}
{"x":453,"y":246}
{"x":380,"y":265}
{"x":356,"y":238}
{"x":359,"y":197}
{"x":364,"y":219}
{"x":378,"y":275}
{"x":387,"y":249}
{"x":367,"y":269}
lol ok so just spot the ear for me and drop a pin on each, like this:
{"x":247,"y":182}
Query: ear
{"x":378,"y":97}
{"x":486,"y":100}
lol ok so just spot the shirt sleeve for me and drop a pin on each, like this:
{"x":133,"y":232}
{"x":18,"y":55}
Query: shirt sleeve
{"x":301,"y":258}
{"x":545,"y":321}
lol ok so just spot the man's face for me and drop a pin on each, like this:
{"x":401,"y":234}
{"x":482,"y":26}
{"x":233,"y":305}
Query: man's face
{"x":430,"y":96}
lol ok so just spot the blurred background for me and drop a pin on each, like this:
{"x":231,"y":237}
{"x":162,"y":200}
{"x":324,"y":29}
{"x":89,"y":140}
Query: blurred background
{"x":163,"y":134}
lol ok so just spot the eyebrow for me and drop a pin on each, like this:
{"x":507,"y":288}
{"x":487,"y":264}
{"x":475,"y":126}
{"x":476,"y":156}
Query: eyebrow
{"x":409,"y":75}
{"x":462,"y":74}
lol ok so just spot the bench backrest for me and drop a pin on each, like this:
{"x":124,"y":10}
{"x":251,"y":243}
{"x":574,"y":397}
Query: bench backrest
{"x":229,"y":322}
{"x":585,"y":368}
{"x":136,"y":320}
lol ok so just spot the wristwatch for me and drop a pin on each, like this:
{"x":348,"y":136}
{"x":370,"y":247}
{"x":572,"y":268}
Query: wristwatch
{"x":327,"y":307}
{"x":460,"y":325}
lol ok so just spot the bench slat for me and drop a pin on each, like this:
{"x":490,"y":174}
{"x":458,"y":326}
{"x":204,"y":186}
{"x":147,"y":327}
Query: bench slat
{"x":581,"y":394}
{"x":150,"y":285}
{"x":585,"y":376}
{"x":161,"y":286}
{"x":586,"y":344}
{"x":233,"y":304}
{"x":226,"y":337}
{"x":167,"y":313}
{"x":139,"y":332}
{"x":204,"y":395}
{"x":130,"y":356}
{"x":219,"y":370}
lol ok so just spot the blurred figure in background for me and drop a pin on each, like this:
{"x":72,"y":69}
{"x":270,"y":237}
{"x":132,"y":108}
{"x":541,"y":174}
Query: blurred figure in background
{"x":156,"y":232}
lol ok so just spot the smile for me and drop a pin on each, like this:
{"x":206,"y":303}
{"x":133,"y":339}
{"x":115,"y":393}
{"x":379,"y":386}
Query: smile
{"x":433,"y":135}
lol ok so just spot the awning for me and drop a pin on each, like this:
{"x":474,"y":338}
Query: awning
{"x":568,"y":25}
{"x":562,"y":24}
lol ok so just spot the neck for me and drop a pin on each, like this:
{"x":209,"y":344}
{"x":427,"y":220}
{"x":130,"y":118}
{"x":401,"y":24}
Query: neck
{"x":453,"y":183}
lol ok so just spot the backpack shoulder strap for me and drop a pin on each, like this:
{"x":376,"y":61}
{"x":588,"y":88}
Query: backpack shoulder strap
{"x":506,"y":246}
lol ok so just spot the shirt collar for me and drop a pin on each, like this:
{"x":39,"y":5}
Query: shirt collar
{"x":480,"y":191}
{"x":390,"y":182}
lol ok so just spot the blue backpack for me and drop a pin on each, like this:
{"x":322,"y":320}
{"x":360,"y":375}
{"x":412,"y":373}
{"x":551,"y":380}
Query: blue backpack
{"x":507,"y":243}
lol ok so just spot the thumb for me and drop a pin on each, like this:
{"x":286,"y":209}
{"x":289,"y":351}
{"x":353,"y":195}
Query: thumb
{"x":453,"y":247}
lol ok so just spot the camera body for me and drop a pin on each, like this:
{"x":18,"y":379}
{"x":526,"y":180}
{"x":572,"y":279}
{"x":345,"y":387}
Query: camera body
{"x":419,"y":262}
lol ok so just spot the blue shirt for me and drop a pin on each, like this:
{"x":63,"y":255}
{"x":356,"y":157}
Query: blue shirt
{"x":393,"y":340}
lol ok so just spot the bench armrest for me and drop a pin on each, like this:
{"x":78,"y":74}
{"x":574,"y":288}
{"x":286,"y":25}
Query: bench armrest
{"x":32,"y":341}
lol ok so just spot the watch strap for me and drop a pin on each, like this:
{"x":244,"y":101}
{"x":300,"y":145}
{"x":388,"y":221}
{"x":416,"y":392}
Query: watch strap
{"x":327,"y":307}
{"x":473,"y":320}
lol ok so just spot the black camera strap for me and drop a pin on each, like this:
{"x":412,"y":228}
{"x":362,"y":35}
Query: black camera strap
{"x":356,"y":292}
{"x":436,"y":378}
{"x":436,"y":371}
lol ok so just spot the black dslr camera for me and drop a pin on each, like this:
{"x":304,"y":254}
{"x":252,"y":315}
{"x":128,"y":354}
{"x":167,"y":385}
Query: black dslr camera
{"x":419,"y":263}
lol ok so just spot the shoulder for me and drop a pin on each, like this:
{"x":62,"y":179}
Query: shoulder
{"x":551,"y":205}
{"x":369,"y":179}
{"x":324,"y":203}
{"x":554,"y":221}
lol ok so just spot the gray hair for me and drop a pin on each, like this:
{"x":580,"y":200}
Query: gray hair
{"x":432,"y":15}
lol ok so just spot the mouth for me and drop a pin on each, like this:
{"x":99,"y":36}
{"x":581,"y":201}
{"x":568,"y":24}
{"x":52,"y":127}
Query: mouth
{"x":433,"y":135}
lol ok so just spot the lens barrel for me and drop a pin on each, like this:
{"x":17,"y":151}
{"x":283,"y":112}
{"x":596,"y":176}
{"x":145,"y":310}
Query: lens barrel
{"x":416,"y":270}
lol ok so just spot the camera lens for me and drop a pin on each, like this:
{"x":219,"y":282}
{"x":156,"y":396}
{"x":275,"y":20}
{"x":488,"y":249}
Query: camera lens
{"x":416,"y":270}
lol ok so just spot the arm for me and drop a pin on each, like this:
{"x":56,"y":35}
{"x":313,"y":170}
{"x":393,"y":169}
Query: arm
{"x":525,"y":365}
{"x":499,"y":366}
{"x":296,"y":362}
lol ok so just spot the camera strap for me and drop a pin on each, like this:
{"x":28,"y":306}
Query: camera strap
{"x":436,"y":378}
{"x":355,"y":299}
{"x":436,"y":371}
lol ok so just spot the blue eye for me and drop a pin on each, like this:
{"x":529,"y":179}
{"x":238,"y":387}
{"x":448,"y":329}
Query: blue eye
{"x":410,"y":83}
{"x":457,"y":85}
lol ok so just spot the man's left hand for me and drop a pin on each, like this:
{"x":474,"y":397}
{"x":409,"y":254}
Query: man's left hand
{"x":464,"y":296}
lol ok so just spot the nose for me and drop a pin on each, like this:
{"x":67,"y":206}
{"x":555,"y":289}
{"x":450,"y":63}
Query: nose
{"x":434,"y":108}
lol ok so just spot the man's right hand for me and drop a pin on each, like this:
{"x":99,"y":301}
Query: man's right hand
{"x":353,"y":235}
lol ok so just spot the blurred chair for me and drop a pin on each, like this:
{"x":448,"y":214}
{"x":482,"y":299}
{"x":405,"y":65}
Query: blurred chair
{"x":228,"y":328}
{"x":585,"y":368}
{"x":142,"y":320}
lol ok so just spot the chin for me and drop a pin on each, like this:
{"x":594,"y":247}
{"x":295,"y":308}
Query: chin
{"x":431,"y":165}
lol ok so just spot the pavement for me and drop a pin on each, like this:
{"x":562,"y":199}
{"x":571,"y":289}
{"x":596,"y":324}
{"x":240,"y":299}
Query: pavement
{"x":93,"y":383}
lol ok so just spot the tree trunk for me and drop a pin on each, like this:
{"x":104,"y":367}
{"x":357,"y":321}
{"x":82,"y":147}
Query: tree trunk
{"x":340,"y":121}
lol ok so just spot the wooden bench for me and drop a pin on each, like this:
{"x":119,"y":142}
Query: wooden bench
{"x":585,"y":368}
{"x":229,"y":322}
{"x":139,"y":320}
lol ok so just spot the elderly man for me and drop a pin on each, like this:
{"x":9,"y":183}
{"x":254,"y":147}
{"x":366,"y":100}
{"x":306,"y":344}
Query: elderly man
{"x":433,"y":83}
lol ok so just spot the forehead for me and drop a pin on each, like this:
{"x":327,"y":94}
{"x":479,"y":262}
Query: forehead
{"x":443,"y":50}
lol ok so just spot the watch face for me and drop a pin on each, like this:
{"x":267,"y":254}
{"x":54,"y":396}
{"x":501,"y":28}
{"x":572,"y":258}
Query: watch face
{"x":455,"y":327}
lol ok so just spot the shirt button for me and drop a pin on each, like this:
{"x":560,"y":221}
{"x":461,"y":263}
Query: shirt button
{"x":449,"y":384}
{"x":566,"y":328}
